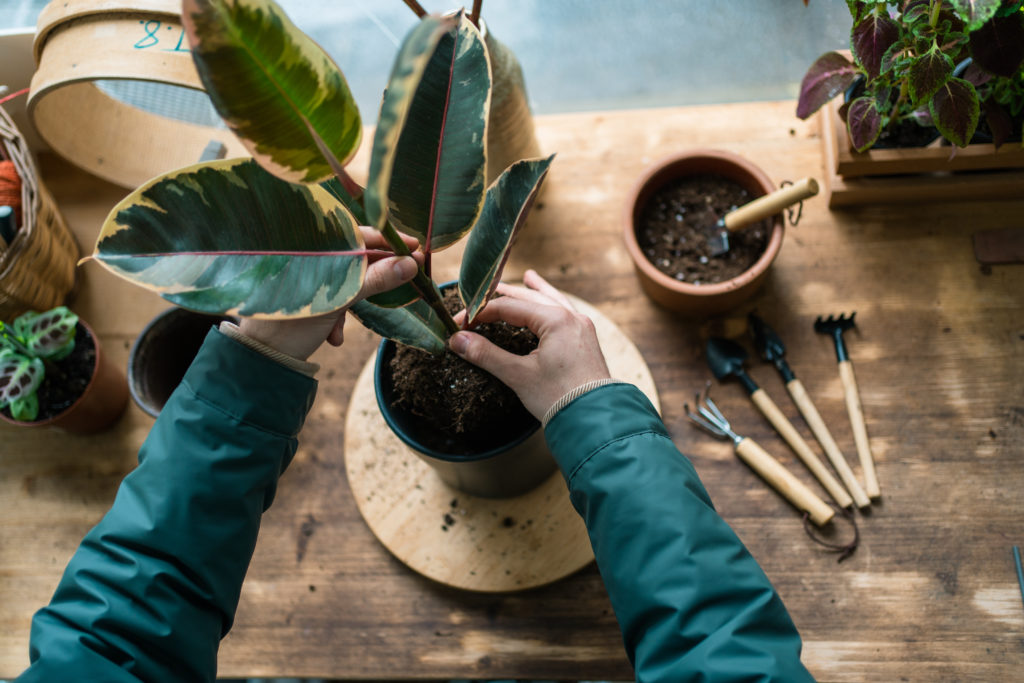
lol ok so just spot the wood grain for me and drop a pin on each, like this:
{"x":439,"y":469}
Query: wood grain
{"x":930,"y":595}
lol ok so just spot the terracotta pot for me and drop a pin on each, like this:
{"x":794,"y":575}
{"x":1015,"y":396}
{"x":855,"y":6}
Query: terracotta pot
{"x":100,"y":405}
{"x":163,"y":352}
{"x":682,"y":297}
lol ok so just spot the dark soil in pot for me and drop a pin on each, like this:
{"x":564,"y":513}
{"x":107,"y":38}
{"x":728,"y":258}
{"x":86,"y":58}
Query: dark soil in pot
{"x":66,"y":379}
{"x":459,"y":408}
{"x":673,"y":227}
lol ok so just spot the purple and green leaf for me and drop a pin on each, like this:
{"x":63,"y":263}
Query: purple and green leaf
{"x":831,"y":74}
{"x":20,"y":377}
{"x":928,"y":73}
{"x":49,"y":335}
{"x":975,"y":13}
{"x":955,"y":109}
{"x":864,"y":122}
{"x":998,"y":46}
{"x":871,"y":38}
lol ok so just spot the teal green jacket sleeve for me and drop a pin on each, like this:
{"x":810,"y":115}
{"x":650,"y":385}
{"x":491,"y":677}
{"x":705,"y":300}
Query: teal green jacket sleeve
{"x":153,"y":587}
{"x":691,"y":601}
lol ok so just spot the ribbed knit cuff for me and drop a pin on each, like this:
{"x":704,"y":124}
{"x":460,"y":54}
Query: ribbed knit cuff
{"x":574,"y":394}
{"x":231,"y":330}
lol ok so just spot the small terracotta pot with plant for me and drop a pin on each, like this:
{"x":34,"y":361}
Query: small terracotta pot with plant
{"x":53,"y":373}
{"x":277,"y":235}
{"x":666,"y":230}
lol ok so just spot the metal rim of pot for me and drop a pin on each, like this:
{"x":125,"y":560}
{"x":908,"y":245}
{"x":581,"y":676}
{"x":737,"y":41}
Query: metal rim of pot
{"x":704,"y":298}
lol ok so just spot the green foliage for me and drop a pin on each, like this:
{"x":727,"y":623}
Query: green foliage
{"x":25,"y":347}
{"x":275,"y":236}
{"x":904,"y":59}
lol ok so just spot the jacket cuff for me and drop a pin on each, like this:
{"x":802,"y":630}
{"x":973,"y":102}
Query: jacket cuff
{"x":596,"y":419}
{"x":249,"y":386}
{"x":574,"y":394}
{"x":306,"y":368}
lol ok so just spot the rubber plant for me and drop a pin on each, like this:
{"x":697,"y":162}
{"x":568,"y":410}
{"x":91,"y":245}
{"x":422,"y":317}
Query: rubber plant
{"x":275,"y":236}
{"x":907,"y":54}
{"x":27,"y":347}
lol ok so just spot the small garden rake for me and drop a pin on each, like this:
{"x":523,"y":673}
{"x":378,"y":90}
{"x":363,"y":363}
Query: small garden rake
{"x":835,"y":327}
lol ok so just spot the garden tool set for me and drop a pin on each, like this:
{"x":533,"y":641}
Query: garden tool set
{"x":757,"y":210}
{"x":726,"y":359}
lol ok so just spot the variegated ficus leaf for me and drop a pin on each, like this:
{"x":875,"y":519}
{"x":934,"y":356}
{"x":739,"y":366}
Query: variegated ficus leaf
{"x":441,"y":150}
{"x":228,"y":237}
{"x":49,"y":335}
{"x":831,"y":74}
{"x":20,"y":376}
{"x":508,"y":202}
{"x":274,"y":87}
{"x":955,"y":109}
{"x":414,"y":325}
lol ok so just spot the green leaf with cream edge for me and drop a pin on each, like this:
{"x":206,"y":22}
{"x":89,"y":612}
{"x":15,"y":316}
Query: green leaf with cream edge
{"x":507,"y":204}
{"x":228,"y":237}
{"x":276,"y":89}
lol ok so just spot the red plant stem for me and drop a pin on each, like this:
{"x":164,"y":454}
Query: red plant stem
{"x":13,"y":95}
{"x":474,"y":16}
{"x":417,"y":8}
{"x":422,"y":282}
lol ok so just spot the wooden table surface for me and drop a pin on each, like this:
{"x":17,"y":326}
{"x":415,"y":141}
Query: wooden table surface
{"x":939,"y":353}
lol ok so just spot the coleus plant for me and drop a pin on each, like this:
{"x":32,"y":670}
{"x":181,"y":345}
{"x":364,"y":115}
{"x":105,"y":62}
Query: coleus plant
{"x":276,"y":236}
{"x":907,"y":53}
{"x":27,"y":346}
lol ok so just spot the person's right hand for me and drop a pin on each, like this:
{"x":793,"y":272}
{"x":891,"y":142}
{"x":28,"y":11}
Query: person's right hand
{"x":567,"y":356}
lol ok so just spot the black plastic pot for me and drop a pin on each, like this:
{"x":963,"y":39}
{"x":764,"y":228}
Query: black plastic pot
{"x":511,"y":466}
{"x":163,"y":352}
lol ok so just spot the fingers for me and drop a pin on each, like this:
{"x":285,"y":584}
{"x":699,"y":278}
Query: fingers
{"x":479,"y":351}
{"x":336,"y":337}
{"x":521,"y":313}
{"x":534,"y":281}
{"x":387,"y":274}
{"x":375,"y":240}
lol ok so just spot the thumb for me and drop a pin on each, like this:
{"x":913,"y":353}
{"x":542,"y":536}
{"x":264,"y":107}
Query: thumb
{"x":386,"y":274}
{"x":481,"y":352}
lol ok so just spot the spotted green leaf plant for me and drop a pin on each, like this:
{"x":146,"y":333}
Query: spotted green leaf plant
{"x":276,"y":235}
{"x":26,"y":347}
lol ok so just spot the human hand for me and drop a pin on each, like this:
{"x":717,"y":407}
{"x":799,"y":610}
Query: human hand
{"x":300,"y":337}
{"x":567,"y":356}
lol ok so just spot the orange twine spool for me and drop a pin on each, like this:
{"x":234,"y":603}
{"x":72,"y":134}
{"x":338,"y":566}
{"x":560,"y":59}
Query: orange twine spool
{"x":10,"y":189}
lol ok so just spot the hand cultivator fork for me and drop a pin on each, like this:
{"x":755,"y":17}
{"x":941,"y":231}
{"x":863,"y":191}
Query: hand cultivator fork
{"x":835,"y":327}
{"x":710,"y":418}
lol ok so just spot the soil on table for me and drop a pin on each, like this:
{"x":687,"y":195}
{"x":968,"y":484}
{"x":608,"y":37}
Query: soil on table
{"x":672,"y":230}
{"x":460,"y":409}
{"x":66,"y":379}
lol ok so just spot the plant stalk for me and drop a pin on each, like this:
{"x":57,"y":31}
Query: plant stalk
{"x":422,"y":282}
{"x":474,"y":15}
{"x":417,"y":8}
{"x":933,"y":20}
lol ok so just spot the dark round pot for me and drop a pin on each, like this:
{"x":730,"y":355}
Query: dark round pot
{"x":904,"y":134}
{"x":510,"y":467}
{"x":163,"y":352}
{"x":100,"y":405}
{"x":683,"y":297}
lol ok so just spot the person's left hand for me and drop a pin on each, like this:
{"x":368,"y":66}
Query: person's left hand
{"x":300,"y":337}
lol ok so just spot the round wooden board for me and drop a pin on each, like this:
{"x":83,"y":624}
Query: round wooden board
{"x":478,"y":544}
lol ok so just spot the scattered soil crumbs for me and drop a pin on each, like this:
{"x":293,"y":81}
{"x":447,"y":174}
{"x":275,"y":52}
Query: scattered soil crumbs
{"x":457,"y":408}
{"x":66,"y":379}
{"x":673,"y":228}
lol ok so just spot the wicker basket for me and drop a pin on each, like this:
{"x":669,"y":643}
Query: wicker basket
{"x":37,"y":270}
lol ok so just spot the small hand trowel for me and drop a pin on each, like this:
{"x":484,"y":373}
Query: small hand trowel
{"x":759,"y":209}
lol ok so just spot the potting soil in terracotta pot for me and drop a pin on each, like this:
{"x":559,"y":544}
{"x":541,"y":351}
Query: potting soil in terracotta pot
{"x":66,"y":379}
{"x":456,"y":402}
{"x":672,"y":230}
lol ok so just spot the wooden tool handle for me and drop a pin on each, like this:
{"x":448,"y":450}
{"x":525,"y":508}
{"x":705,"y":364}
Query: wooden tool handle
{"x":835,"y":456}
{"x":771,"y":203}
{"x":800,"y":447}
{"x":860,"y":430}
{"x":780,"y":479}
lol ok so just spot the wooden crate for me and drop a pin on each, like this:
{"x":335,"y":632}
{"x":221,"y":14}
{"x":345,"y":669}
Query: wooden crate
{"x":897,"y":176}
